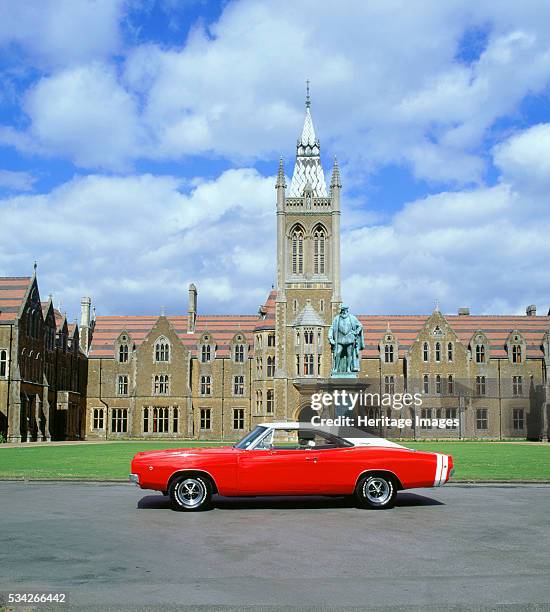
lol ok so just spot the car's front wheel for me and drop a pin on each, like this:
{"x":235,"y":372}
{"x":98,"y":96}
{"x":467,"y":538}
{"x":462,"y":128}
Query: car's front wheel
{"x":376,"y":491}
{"x":190,"y":493}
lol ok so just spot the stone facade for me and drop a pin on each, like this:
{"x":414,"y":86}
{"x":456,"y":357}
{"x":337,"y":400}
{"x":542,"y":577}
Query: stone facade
{"x":43,"y":369}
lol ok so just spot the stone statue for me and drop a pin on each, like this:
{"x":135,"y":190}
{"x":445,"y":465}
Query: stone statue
{"x":346,"y":340}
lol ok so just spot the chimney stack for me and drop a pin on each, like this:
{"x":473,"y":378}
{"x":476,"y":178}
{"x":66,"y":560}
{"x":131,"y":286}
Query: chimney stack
{"x":463,"y":312}
{"x":192,"y":310}
{"x":531,"y":310}
{"x":85,"y":308}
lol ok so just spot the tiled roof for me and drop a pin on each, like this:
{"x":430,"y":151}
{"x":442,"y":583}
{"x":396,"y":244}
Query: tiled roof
{"x":405,"y":328}
{"x":12,"y":292}
{"x":222,"y":328}
{"x":267,"y":320}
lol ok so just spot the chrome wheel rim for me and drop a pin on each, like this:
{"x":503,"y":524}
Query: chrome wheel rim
{"x":190,"y":492}
{"x":377,"y":490}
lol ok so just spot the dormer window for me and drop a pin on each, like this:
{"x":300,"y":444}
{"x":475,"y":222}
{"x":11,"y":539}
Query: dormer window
{"x":206,"y":353}
{"x":425,"y":352}
{"x":438,"y":351}
{"x":123,"y":353}
{"x":388,"y":353}
{"x":516,"y":354}
{"x":162,"y":350}
{"x":239,"y":353}
{"x":450,"y":352}
{"x":480,"y":353}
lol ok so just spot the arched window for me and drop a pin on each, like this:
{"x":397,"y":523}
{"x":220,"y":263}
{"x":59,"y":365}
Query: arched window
{"x":259,"y":400}
{"x":516,"y":353}
{"x":450,"y":351}
{"x":438,"y":351}
{"x":426,"y":383}
{"x":271,"y":367}
{"x":270,"y":401}
{"x":161,"y":384}
{"x":160,"y":419}
{"x":319,"y":240}
{"x":175,"y":420}
{"x":480,"y":353}
{"x":162,"y":350}
{"x":388,"y":353}
{"x":206,"y":354}
{"x":308,"y":336}
{"x":3,"y":363}
{"x":145,"y":420}
{"x":450,"y":384}
{"x":438,"y":384}
{"x":297,"y":251}
{"x":426,"y":352}
{"x":239,"y":353}
{"x":123,"y":353}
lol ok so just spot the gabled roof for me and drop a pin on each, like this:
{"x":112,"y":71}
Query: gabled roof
{"x":309,"y":316}
{"x":13,"y":290}
{"x":267,"y":313}
{"x":496,"y":327}
{"x":221,"y":327}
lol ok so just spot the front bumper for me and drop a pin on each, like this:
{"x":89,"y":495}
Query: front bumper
{"x":134,"y":478}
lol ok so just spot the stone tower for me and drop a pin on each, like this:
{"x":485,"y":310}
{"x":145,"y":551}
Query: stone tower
{"x":308,"y":269}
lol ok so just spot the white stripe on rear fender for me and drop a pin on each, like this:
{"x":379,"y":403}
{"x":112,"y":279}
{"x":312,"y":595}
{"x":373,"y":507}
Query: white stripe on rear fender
{"x":444,"y":469}
{"x":439,"y":465}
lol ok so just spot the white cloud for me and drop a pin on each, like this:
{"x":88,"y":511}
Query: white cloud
{"x":55,"y":33}
{"x":135,"y":243}
{"x":16,"y":181}
{"x":386,"y":84}
{"x":84,"y":113}
{"x":481,"y":248}
{"x":526,"y":157}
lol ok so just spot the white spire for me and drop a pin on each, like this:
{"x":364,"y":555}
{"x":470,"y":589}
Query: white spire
{"x":308,"y":170}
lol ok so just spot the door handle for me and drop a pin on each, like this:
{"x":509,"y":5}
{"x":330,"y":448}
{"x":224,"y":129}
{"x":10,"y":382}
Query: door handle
{"x":314,"y":459}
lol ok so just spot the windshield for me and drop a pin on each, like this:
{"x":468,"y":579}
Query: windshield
{"x":250,"y":437}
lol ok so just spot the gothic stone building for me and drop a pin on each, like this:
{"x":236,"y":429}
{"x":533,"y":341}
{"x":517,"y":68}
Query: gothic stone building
{"x":216,"y":376}
{"x":42,"y":367}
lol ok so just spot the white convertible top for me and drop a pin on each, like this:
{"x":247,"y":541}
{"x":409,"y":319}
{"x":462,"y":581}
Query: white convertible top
{"x":362,"y":438}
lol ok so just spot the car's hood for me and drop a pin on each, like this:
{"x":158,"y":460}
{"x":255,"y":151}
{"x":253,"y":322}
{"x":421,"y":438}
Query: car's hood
{"x":205,"y":450}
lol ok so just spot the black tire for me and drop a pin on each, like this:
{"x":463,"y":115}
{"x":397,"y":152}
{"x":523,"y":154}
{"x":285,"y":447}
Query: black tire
{"x":190,"y":493}
{"x":376,"y":491}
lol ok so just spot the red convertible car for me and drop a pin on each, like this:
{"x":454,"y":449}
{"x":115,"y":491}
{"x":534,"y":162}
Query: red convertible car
{"x":289,"y":459}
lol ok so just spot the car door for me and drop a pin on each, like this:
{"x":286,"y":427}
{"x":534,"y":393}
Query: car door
{"x":334,"y":465}
{"x":280,"y":466}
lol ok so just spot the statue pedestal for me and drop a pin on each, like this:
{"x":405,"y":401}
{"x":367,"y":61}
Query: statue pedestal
{"x":343,"y":389}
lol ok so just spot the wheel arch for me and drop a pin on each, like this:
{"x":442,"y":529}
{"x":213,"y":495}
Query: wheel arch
{"x":379,"y":472}
{"x":192,"y":472}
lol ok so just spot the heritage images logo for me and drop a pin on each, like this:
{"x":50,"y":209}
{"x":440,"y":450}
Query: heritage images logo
{"x":348,"y":400}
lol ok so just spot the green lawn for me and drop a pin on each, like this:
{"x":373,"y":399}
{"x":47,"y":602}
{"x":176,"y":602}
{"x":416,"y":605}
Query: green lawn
{"x":473,"y":460}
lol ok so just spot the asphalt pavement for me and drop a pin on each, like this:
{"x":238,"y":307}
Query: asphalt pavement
{"x":114,"y":546}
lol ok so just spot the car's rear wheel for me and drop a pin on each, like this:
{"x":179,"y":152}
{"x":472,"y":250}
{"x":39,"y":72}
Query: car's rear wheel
{"x":376,"y":491}
{"x":190,"y":493}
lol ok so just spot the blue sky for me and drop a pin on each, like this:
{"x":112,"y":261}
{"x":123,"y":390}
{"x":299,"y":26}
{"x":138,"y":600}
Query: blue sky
{"x":139,"y":143}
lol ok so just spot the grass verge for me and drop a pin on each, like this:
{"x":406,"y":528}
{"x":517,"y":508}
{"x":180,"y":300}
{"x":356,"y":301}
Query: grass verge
{"x":473,"y":460}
